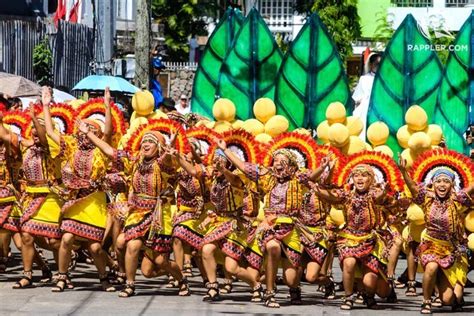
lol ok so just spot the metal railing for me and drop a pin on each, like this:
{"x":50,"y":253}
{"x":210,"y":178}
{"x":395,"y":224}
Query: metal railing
{"x":180,"y":65}
{"x":456,"y":3}
{"x":412,"y":3}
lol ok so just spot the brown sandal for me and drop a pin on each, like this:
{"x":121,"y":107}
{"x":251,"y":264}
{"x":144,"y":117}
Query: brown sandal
{"x":25,"y":282}
{"x":184,"y":288}
{"x":270,"y":300}
{"x":411,"y":289}
{"x":128,"y":291}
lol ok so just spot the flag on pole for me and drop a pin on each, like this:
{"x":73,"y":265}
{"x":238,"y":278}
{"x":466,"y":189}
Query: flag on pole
{"x":60,"y":12}
{"x":74,"y":13}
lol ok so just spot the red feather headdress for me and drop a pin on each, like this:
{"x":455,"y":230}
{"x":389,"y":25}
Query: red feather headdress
{"x":206,"y":138}
{"x":18,"y":121}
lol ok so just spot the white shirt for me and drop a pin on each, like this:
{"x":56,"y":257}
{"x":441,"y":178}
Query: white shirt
{"x":361,"y":96}
{"x":182,"y":110}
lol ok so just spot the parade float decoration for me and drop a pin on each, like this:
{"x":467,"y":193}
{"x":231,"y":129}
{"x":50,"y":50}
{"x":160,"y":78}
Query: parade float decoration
{"x":207,"y":73}
{"x":311,"y":77}
{"x":250,"y":67}
{"x":407,"y":75}
{"x":456,"y":93}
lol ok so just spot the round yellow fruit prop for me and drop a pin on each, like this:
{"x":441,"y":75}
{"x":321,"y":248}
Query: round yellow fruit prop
{"x":435,"y":133}
{"x":355,"y":125}
{"x":210,"y":124}
{"x":470,"y":241}
{"x":202,"y":122}
{"x":237,"y":124}
{"x":337,"y":216}
{"x":137,"y":122}
{"x":143,"y":102}
{"x":354,"y":146}
{"x":415,"y":215}
{"x":276,"y":125}
{"x":384,"y":149}
{"x":338,"y":135}
{"x":76,"y":103}
{"x":469,"y":221}
{"x":368,"y":147}
{"x":403,"y":135}
{"x":336,"y":113}
{"x":416,"y":231}
{"x":157,"y":115}
{"x":419,"y":142}
{"x":263,"y":138}
{"x":253,"y":126}
{"x":408,"y":155}
{"x":222,"y":126}
{"x":323,"y":132}
{"x":224,"y":110}
{"x":378,"y":133}
{"x":264,"y":109}
{"x":416,"y":118}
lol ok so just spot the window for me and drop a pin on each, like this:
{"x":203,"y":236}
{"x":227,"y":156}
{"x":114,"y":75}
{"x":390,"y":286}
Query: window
{"x":413,"y":3}
{"x":456,"y":3}
{"x":277,"y":12}
{"x":125,"y":9}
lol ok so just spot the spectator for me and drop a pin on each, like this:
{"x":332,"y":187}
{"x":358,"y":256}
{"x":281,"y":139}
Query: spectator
{"x":182,"y":106}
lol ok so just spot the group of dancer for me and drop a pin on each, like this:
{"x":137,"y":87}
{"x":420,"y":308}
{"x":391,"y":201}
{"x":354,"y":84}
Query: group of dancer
{"x":176,"y":194}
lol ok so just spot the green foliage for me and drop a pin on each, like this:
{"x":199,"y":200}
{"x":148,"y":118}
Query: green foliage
{"x":384,"y":29}
{"x":43,"y":62}
{"x":342,"y":22}
{"x":181,"y":19}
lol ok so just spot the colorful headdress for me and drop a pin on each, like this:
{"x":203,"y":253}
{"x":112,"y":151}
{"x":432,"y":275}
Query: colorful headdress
{"x":95,"y":109}
{"x":242,"y":144}
{"x":62,"y":114}
{"x":383,"y":168}
{"x":204,"y":138}
{"x":443,"y":161}
{"x":18,"y":122}
{"x":166,"y":128}
{"x":155,"y":137}
{"x":303,"y":147}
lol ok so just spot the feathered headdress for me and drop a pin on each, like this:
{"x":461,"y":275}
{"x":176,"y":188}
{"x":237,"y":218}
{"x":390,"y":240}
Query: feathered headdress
{"x":203,"y":137}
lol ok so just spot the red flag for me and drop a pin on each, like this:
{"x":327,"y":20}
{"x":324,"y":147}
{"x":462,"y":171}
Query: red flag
{"x":73,"y":14}
{"x":366,"y":54}
{"x":60,"y":12}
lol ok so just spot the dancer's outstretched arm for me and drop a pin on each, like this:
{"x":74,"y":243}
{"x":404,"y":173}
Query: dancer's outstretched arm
{"x":48,"y":122}
{"x":40,"y":129}
{"x":108,"y":128}
{"x":101,"y":144}
{"x":324,"y":194}
{"x":402,"y":164}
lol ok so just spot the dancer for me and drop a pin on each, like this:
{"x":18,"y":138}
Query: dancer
{"x":84,"y":212}
{"x":284,"y":186}
{"x":442,"y":251}
{"x":148,"y":214}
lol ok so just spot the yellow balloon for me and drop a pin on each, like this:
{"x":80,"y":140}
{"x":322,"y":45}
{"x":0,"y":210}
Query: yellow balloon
{"x":338,"y":135}
{"x":253,"y":126}
{"x":355,"y":125}
{"x":378,"y":133}
{"x":323,"y":132}
{"x":337,"y":216}
{"x":416,"y":118}
{"x":276,"y":125}
{"x":237,"y":124}
{"x":469,"y":221}
{"x":224,"y":110}
{"x":415,"y":214}
{"x":409,"y":156}
{"x":419,"y":142}
{"x":403,"y":135}
{"x":143,"y":102}
{"x":470,"y":241}
{"x":354,"y":146}
{"x":416,"y":231}
{"x":336,"y":113}
{"x":264,"y":109}
{"x":263,"y":138}
{"x":384,"y":149}
{"x":435,"y":133}
{"x":157,"y":114}
{"x":222,"y":126}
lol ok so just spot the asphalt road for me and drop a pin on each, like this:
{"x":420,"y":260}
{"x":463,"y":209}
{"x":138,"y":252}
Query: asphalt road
{"x":153,"y":298}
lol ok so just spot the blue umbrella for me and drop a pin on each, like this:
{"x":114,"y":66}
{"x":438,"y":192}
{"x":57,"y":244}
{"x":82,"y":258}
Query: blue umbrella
{"x":99,"y":82}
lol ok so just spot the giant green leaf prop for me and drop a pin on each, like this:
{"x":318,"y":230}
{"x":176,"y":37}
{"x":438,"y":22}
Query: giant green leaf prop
{"x":409,"y":73}
{"x":207,"y":74}
{"x":456,"y":93}
{"x":249,"y":70}
{"x":311,"y":77}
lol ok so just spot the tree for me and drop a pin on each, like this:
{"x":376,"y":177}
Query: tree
{"x":340,"y":18}
{"x":182,"y":18}
{"x":142,"y":44}
{"x":43,"y":62}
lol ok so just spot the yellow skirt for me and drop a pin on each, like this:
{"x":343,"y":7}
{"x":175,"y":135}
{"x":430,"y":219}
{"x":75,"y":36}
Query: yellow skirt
{"x":87,"y":218}
{"x":454,"y":266}
{"x":44,"y":220}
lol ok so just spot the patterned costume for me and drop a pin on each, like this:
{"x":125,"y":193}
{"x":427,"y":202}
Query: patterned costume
{"x":9,"y":211}
{"x":41,"y":207}
{"x":83,"y":168}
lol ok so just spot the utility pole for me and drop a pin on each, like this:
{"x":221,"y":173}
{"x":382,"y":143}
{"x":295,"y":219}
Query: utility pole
{"x":105,"y":33}
{"x":142,"y":43}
